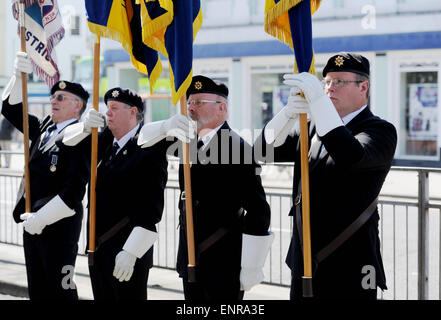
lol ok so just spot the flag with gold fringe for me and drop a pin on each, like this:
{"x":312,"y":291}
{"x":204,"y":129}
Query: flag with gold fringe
{"x":170,"y":27}
{"x":290,"y":22}
{"x":44,"y":30}
{"x":156,"y":16}
{"x":120,"y":20}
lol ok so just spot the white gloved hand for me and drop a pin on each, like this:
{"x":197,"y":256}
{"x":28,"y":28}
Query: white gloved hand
{"x":177,"y":126}
{"x":323,"y":112}
{"x":180,"y":127}
{"x":307,"y":83}
{"x":22,"y":64}
{"x":296,"y":104}
{"x":124,"y":264}
{"x":51,"y":212}
{"x":13,"y":89}
{"x":94,"y":119}
{"x":137,"y":244}
{"x":33,"y":223}
{"x":278,"y":129}
{"x":254,"y":252}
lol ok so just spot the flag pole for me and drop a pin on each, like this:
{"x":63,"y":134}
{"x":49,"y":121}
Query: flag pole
{"x":304,"y":6}
{"x":191,"y":268}
{"x":24,"y":87}
{"x":304,"y":171}
{"x":94,"y":152}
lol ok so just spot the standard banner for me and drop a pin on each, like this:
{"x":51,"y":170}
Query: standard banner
{"x":44,"y":30}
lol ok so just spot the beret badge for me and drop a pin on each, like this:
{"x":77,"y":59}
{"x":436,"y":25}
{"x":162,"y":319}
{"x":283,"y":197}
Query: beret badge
{"x":339,"y":61}
{"x":198,"y":85}
{"x":62,"y":85}
{"x":115,"y":93}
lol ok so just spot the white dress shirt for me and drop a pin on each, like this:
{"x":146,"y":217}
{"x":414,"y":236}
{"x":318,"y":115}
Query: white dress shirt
{"x":122,"y":142}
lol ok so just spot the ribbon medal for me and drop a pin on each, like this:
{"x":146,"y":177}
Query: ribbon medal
{"x":54,"y":161}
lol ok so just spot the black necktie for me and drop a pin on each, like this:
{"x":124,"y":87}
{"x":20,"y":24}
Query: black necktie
{"x":115,"y":148}
{"x":47,"y":135}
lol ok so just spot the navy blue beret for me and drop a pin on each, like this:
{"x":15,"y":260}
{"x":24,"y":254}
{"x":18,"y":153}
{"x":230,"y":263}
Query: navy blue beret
{"x":201,"y":84}
{"x":347,"y":62}
{"x":72,"y":87}
{"x":127,"y":96}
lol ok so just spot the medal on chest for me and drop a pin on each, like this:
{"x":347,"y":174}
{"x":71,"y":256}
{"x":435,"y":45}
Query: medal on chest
{"x":54,"y":161}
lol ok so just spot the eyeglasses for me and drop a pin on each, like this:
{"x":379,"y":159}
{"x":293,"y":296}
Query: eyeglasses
{"x":60,"y":97}
{"x":200,"y":102}
{"x":338,"y":83}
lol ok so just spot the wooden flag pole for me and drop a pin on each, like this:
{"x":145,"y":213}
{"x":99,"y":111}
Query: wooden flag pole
{"x":24,"y":88}
{"x":94,"y":152}
{"x":307,"y":260}
{"x":191,"y":268}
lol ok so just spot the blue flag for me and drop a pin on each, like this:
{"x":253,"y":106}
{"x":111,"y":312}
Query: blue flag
{"x":120,"y":20}
{"x":290,"y":22}
{"x":171,"y":27}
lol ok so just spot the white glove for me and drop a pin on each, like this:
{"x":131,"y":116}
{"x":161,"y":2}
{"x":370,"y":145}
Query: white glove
{"x":249,"y":277}
{"x":180,"y":127}
{"x":307,"y":83}
{"x":283,"y":122}
{"x":323,"y":111}
{"x":75,"y":133}
{"x":254,"y":252}
{"x":22,"y":63}
{"x":51,"y":212}
{"x":33,"y":223}
{"x":137,"y":244}
{"x":13,"y":89}
{"x":124,"y":263}
{"x":94,"y":119}
{"x":296,"y":104}
{"x":177,"y":126}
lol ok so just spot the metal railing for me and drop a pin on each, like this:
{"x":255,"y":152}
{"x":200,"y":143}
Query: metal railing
{"x":410,"y":227}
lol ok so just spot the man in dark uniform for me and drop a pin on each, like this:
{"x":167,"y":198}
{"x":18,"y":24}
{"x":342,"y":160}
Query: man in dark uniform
{"x":129,"y":197}
{"x":351,"y":152}
{"x":58,"y":178}
{"x":230,"y":211}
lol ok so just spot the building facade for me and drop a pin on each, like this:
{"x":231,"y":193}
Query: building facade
{"x":401,"y":38}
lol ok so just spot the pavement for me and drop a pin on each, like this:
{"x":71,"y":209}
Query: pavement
{"x":163,"y":284}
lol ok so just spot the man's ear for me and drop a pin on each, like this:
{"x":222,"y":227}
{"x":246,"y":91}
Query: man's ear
{"x":222,"y":106}
{"x":364,"y":86}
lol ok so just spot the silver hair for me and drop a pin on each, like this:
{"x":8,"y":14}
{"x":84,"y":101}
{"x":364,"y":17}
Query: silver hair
{"x":139,"y":115}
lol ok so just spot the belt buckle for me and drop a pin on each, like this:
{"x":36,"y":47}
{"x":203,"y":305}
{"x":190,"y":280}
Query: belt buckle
{"x":183,"y":195}
{"x":298,"y":199}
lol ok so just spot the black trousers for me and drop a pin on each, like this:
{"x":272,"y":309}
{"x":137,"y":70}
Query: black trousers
{"x":106,"y":287}
{"x":205,"y":292}
{"x":332,"y":289}
{"x":49,"y":267}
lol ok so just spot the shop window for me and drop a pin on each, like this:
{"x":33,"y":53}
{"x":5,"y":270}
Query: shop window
{"x":418,"y":114}
{"x":268,"y":96}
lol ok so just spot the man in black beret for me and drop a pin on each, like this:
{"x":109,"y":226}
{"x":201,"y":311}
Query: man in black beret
{"x":129,"y":196}
{"x":230,"y":211}
{"x":351,"y":152}
{"x":58,"y":177}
